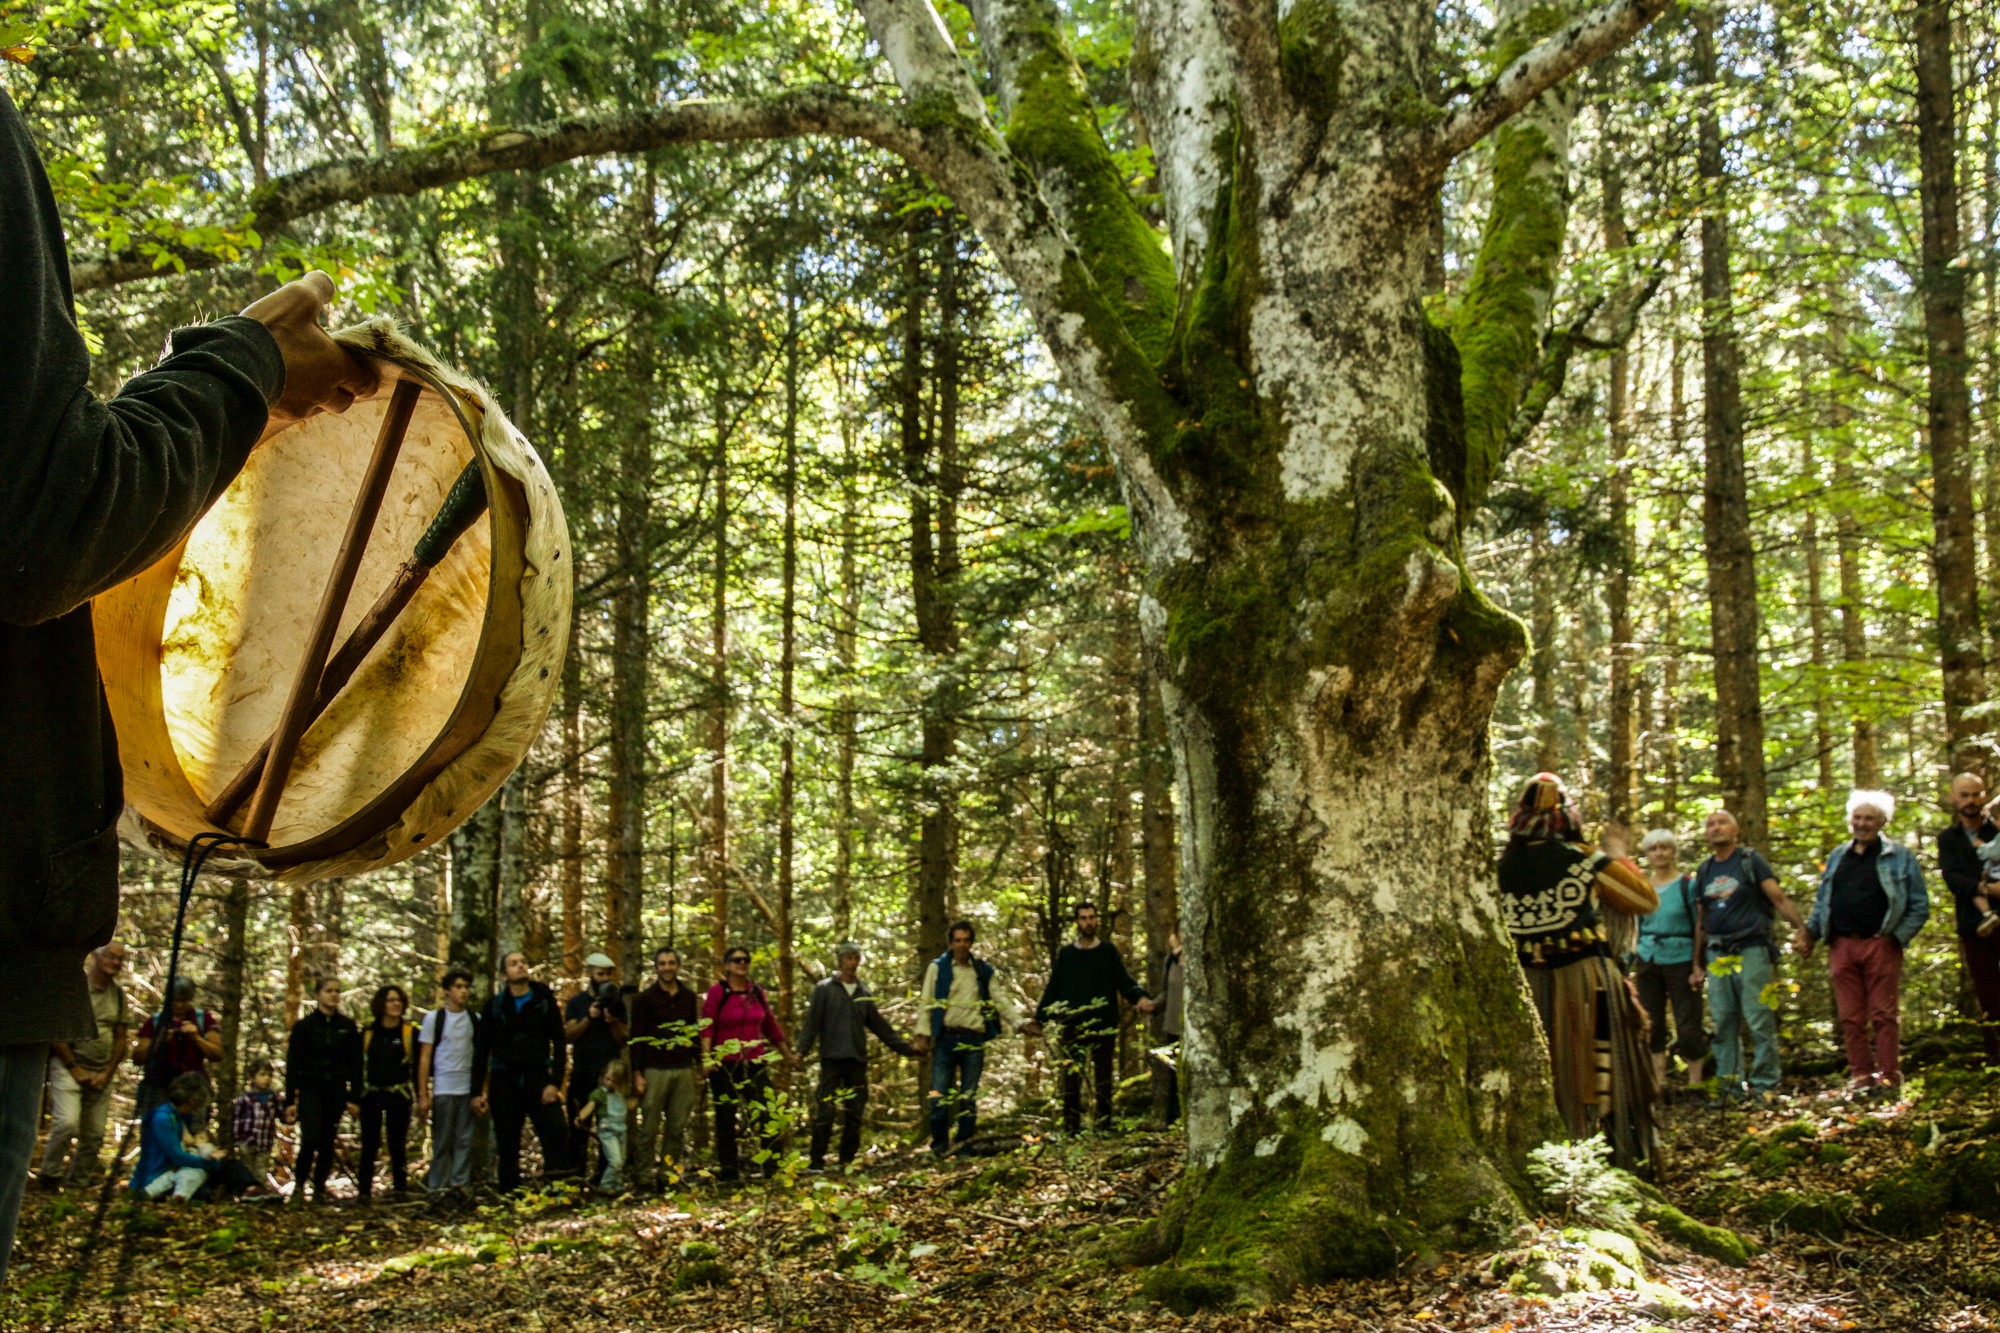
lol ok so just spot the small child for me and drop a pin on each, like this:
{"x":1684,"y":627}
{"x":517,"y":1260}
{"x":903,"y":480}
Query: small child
{"x":254,"y":1123}
{"x":608,"y":1103}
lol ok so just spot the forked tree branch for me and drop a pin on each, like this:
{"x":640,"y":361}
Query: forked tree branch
{"x":1577,"y":43}
{"x":815,"y":110}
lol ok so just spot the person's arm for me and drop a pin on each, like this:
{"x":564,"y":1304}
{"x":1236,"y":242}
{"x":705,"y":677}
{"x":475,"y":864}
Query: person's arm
{"x":770,"y":1030}
{"x":1783,"y":904}
{"x":1624,"y":888}
{"x":121,"y":1041}
{"x":558,"y":1048}
{"x":92,"y":490}
{"x":424,"y":1052}
{"x":1916,"y":903}
{"x":574,"y":1028}
{"x":884,"y":1031}
{"x":815,"y":1016}
{"x":1958,"y":864}
{"x":208,"y":1040}
{"x":1699,"y":976}
{"x":1050,"y":990}
{"x":482,"y":1054}
{"x":621,"y":1029}
{"x":142,"y":1048}
{"x":1133,"y":992}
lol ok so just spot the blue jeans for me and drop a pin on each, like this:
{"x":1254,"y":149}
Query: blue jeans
{"x":22,"y":1069}
{"x":1738,"y":998}
{"x":957,"y":1061}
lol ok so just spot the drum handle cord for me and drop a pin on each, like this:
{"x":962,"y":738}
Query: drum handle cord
{"x":199,"y":848}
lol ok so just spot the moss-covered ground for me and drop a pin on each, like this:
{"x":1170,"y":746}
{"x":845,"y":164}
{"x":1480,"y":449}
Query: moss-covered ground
{"x":1820,"y":1214}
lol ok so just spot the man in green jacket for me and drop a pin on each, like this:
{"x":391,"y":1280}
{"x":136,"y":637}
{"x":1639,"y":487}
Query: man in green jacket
{"x":91,"y":492}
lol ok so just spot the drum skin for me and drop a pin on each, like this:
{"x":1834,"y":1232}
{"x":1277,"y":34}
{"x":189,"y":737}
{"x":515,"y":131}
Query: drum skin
{"x":198,"y":652}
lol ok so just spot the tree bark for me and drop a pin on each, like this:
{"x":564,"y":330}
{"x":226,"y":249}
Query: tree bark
{"x":1955,"y":548}
{"x":475,"y":893}
{"x":1853,"y":625}
{"x":1542,"y":657}
{"x":715,"y":836}
{"x":511,"y":888}
{"x":1620,"y":791}
{"x":1823,"y":724}
{"x":933,"y":577}
{"x":234,"y":972}
{"x":846,"y":642}
{"x":788,"y":655}
{"x":1726,"y":541}
{"x":631,"y":645}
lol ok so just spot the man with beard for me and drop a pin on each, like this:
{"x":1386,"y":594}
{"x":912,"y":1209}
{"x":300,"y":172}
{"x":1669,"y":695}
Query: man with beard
{"x":1082,"y":1000}
{"x":1973,"y":895}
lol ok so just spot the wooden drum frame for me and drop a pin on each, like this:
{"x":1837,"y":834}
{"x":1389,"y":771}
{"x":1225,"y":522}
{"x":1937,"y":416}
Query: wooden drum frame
{"x":203,"y":652}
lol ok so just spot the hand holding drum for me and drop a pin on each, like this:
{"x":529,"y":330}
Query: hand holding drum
{"x":320,"y":374}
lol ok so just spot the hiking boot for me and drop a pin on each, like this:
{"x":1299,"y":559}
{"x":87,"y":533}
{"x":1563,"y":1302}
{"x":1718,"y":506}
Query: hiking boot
{"x":1988,"y":924}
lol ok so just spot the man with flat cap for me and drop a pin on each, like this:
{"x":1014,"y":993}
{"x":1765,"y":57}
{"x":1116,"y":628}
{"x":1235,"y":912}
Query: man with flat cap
{"x":595,"y":1025}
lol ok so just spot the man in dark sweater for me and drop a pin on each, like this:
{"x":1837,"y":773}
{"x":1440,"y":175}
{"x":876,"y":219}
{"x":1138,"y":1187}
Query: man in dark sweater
{"x":838,"y":1020}
{"x":1973,"y":898}
{"x":91,"y":492}
{"x":666,"y":1036}
{"x":1081,"y":999}
{"x":519,"y":1070}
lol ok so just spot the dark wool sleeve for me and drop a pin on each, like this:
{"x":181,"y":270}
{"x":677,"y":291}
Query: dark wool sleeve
{"x":1958,"y":863}
{"x":1127,"y":987}
{"x":815,"y":1019}
{"x":482,"y":1046}
{"x":558,"y":1048}
{"x":886,"y":1033}
{"x":92,"y":491}
{"x":294,"y":1048}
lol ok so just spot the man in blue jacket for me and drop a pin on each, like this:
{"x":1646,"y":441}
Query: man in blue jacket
{"x":1871,"y":903}
{"x":91,"y":492}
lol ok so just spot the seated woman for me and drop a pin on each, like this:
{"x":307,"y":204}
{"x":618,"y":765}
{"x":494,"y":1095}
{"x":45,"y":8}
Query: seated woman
{"x":172,"y":1160}
{"x":1557,"y":895}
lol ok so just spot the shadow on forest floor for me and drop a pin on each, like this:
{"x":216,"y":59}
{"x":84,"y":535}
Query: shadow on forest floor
{"x":1870,"y":1217}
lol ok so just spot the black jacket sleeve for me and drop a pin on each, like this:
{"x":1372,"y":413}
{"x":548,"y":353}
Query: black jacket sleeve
{"x":809,"y":1033}
{"x":93,"y":491}
{"x":1958,"y":863}
{"x":558,"y":1048}
{"x":482,"y":1047}
{"x":295,"y":1051}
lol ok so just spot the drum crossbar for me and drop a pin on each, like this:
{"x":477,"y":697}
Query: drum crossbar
{"x":461,"y":508}
{"x":333,"y":604}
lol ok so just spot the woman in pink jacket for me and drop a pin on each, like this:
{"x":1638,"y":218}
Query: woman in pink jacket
{"x":737,"y":1040}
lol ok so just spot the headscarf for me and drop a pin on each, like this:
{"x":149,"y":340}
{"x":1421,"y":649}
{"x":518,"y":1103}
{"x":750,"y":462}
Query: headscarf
{"x":1545,"y":811}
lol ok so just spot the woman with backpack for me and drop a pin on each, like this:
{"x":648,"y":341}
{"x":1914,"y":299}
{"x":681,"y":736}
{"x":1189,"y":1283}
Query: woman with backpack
{"x":1665,"y":959}
{"x":388,"y":1087}
{"x":736,"y":1041}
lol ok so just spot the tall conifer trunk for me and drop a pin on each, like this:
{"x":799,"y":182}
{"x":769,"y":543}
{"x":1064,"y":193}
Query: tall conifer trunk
{"x":1955,"y":548}
{"x":788,"y":652}
{"x":1732,"y":558}
{"x":1622,"y":703}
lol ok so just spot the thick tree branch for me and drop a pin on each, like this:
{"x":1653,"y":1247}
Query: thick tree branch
{"x":1544,"y":65}
{"x":1052,"y":127}
{"x":409,"y":171}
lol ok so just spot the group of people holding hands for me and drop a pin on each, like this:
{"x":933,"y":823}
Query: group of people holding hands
{"x":1619,"y":955}
{"x":615,"y":1069}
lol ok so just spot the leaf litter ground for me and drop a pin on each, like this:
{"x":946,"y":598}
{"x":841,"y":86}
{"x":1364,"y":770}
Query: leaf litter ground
{"x":1008,"y":1242}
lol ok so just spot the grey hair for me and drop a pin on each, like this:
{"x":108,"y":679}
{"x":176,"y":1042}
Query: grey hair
{"x":1659,"y":837}
{"x":846,"y":949}
{"x":1879,"y":801}
{"x":183,"y":988}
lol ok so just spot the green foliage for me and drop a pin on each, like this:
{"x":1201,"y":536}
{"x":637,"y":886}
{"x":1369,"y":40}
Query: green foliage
{"x":1577,"y":1177}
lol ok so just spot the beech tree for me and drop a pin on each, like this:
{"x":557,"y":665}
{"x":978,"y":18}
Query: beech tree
{"x":1301,"y":447}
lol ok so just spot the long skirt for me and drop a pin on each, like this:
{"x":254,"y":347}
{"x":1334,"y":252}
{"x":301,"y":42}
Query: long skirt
{"x":1597,"y":1046}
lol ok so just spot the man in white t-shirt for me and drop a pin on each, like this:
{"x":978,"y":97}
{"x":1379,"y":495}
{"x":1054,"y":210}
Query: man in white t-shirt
{"x":445,"y":1042}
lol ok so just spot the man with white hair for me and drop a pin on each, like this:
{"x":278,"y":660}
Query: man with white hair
{"x":1871,"y":901}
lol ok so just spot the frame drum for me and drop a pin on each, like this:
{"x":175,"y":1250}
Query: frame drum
{"x":199,"y":652}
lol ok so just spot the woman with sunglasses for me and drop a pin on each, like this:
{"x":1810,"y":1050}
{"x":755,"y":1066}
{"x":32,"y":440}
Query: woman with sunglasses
{"x":737,"y":1038}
